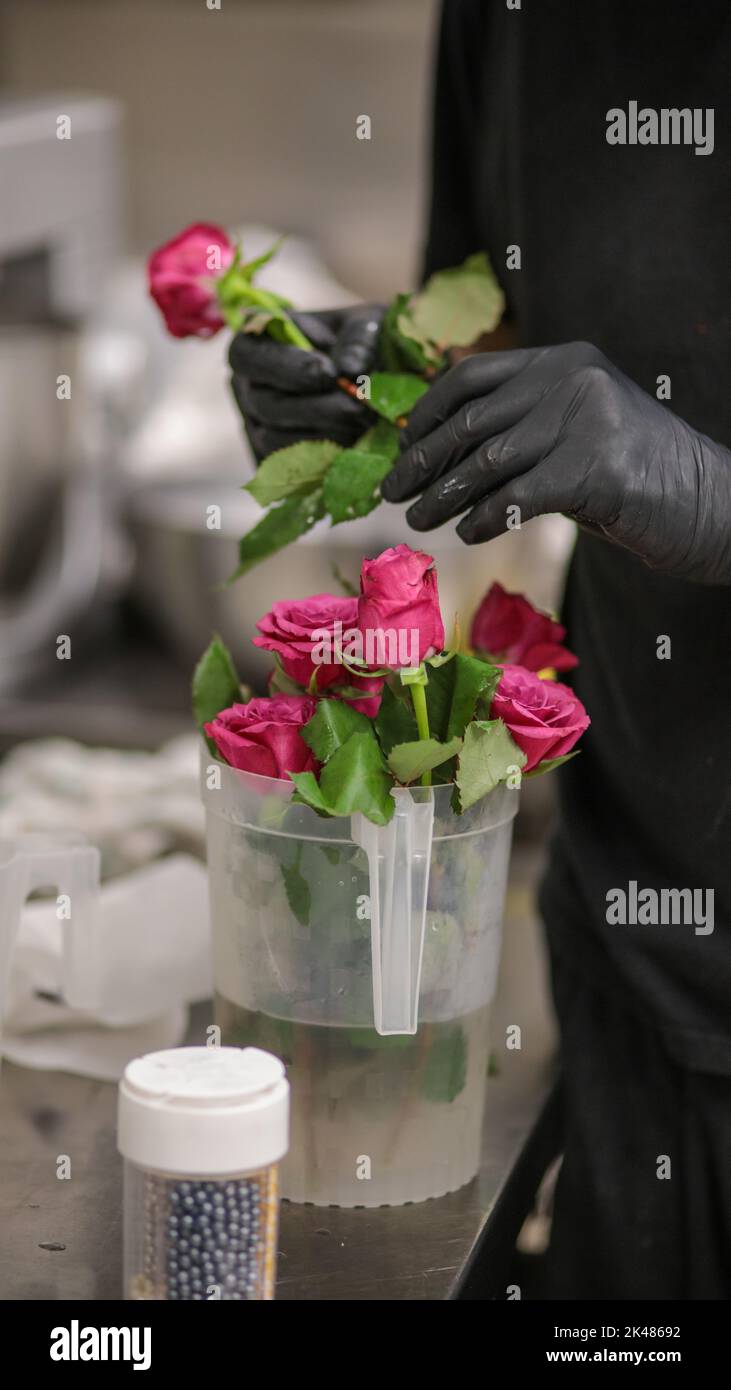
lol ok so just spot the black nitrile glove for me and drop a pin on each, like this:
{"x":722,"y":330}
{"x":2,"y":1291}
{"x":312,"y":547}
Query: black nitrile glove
{"x":560,"y":429}
{"x":286,"y":394}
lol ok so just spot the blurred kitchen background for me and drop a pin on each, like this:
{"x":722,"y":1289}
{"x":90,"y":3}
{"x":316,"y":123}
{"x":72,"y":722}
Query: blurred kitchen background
{"x":179,"y":112}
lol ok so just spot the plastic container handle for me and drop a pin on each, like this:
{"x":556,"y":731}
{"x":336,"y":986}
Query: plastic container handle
{"x":70,"y":865}
{"x":399,"y":856}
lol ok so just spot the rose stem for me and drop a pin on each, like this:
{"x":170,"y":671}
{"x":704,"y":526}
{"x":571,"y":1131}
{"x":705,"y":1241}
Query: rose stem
{"x":418,"y":695}
{"x":295,"y":337}
{"x":266,"y":301}
{"x":350,"y":389}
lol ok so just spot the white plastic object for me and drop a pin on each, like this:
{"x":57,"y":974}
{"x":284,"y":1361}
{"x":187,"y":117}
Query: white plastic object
{"x":399,"y":856}
{"x":202,"y":1130}
{"x":206,"y":1111}
{"x":69,"y":864}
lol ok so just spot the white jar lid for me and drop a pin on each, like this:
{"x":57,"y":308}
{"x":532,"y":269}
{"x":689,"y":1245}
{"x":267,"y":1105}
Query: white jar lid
{"x":204,"y":1110}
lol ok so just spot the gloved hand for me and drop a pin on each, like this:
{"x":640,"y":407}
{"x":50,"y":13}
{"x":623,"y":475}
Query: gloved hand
{"x":286,"y":394}
{"x":560,"y":429}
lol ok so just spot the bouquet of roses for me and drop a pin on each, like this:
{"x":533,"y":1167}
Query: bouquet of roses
{"x":201,"y":283}
{"x":365,"y":695}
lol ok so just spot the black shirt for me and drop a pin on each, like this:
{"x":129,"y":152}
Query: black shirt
{"x":626,"y":246}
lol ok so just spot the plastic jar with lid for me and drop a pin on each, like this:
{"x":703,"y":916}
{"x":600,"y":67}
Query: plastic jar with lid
{"x":201,"y":1131}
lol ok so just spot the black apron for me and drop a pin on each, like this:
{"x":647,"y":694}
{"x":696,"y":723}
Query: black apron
{"x":626,"y":246}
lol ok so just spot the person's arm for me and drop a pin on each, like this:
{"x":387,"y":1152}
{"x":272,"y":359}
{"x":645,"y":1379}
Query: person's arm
{"x":508,"y":436}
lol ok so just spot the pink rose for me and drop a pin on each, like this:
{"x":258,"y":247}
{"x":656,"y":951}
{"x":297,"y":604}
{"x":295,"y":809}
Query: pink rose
{"x":507,"y":628}
{"x":303,"y":631}
{"x":182,"y":280}
{"x":398,"y":608}
{"x":544,"y":717}
{"x":263,"y":736}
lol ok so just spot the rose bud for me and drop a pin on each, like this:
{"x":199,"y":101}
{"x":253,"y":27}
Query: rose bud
{"x":398,"y":608}
{"x":544,"y":718}
{"x":182,"y":276}
{"x":263,"y":736}
{"x":507,"y":629}
{"x":297,"y":631}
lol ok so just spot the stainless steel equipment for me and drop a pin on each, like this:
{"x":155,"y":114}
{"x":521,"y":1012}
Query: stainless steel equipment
{"x":60,"y":230}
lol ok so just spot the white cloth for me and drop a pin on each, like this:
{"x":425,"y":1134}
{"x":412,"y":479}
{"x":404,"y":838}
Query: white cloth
{"x":133,"y":806}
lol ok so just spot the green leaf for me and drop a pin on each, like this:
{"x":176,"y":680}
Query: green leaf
{"x":445,"y":1072}
{"x":408,"y":761}
{"x":398,"y":349}
{"x":292,"y":471}
{"x":549,"y":764}
{"x":331,"y":726}
{"x":458,"y":305}
{"x":307,"y":789}
{"x":351,"y":486}
{"x":432,"y":355}
{"x":487,"y":756}
{"x":395,"y":722}
{"x":281,"y":525}
{"x":298,"y":890}
{"x":394,"y":394}
{"x":453,"y":692}
{"x":381,"y":438}
{"x":215,"y":685}
{"x":249,"y":268}
{"x":331,"y":853}
{"x":355,"y":779}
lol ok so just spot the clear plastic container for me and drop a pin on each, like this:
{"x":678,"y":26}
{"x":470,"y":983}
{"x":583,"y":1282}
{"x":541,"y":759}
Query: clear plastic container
{"x":65,"y":861}
{"x":366,"y":958}
{"x":202,"y":1130}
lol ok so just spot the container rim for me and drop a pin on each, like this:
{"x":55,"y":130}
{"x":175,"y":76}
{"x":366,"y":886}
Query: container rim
{"x":236,"y":781}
